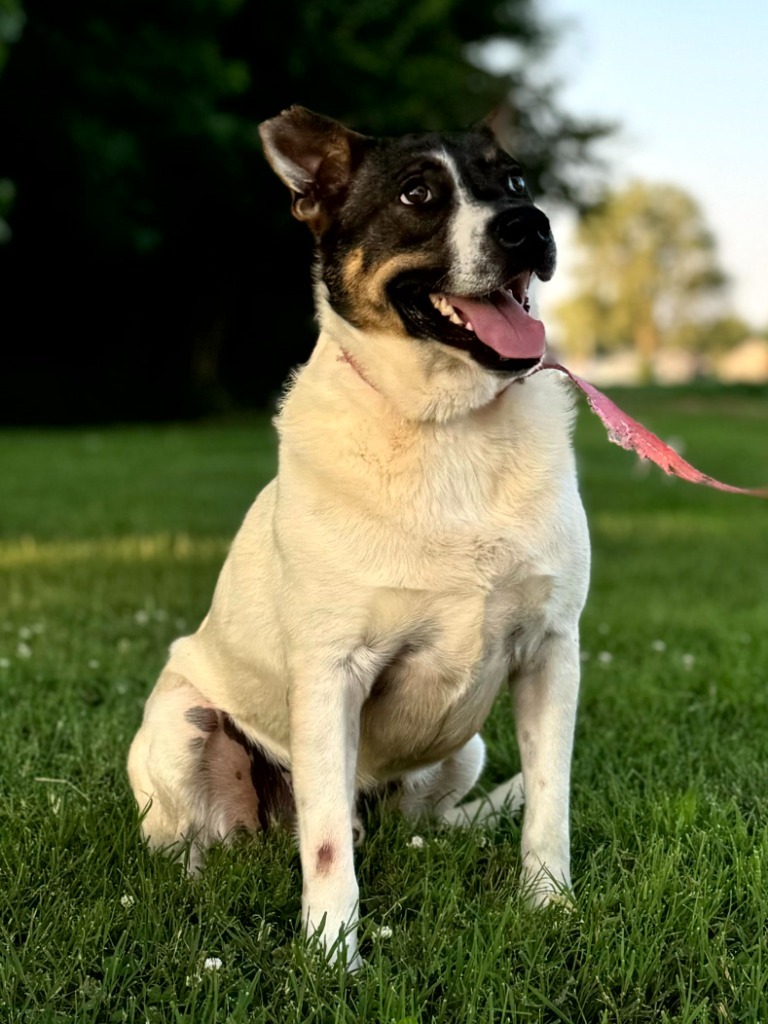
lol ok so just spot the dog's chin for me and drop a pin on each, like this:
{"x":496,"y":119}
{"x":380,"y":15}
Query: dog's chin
{"x":416,"y":301}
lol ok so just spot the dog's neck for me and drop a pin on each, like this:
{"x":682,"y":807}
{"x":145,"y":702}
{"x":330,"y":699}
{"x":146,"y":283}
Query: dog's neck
{"x":428,"y":383}
{"x":345,"y":357}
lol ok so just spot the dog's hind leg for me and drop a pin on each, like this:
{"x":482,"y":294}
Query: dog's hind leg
{"x":437,"y":791}
{"x":165,"y":767}
{"x":507,"y":797}
{"x":196,"y":776}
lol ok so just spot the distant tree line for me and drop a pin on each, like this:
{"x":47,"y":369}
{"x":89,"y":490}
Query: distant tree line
{"x":647,"y":277}
{"x":149,"y":267}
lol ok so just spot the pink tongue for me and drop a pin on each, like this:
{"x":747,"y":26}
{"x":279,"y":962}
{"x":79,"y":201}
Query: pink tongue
{"x":503,"y":325}
{"x":633,"y":436}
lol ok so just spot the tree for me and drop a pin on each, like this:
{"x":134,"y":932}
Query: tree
{"x":11,"y":26}
{"x":147,"y":228}
{"x":647,"y":274}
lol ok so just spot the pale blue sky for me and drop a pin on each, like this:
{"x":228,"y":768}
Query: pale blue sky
{"x":688,"y":82}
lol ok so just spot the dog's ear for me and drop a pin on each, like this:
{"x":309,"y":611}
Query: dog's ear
{"x":316,"y":157}
{"x":500,"y":123}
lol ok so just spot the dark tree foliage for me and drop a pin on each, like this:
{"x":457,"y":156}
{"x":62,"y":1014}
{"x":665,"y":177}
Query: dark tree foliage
{"x":153,"y":268}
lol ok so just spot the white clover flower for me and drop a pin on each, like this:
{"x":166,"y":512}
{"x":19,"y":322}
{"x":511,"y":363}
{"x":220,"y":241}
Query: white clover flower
{"x":688,"y":660}
{"x":127,"y":901}
{"x":25,"y":633}
{"x":584,"y":655}
{"x":417,"y":842}
{"x":213,"y":963}
{"x":94,"y":663}
{"x":605,"y":657}
{"x":604,"y":629}
{"x":23,"y":650}
{"x":383,"y":932}
{"x":659,"y":645}
{"x":141,"y":617}
{"x":5,"y":662}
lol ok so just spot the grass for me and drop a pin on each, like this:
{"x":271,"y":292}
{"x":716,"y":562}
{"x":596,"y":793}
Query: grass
{"x":110,"y":543}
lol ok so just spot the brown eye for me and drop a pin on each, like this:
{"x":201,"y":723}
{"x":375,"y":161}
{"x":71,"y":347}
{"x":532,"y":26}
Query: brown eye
{"x":416,"y":193}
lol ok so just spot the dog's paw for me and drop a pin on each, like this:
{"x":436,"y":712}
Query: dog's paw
{"x":562,"y":899}
{"x":342,"y":951}
{"x":545,"y":887}
{"x":333,"y":935}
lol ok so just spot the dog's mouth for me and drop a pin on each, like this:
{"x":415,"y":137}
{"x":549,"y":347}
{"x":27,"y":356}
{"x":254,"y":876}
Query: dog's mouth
{"x":501,"y":320}
{"x":495,"y":328}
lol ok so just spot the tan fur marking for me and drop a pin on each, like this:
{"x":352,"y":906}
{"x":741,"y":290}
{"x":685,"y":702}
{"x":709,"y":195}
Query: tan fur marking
{"x":353,"y":269}
{"x":374,"y":310}
{"x":395,"y":265}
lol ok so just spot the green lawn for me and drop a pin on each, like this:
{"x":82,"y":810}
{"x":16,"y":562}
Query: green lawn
{"x":110,"y":543}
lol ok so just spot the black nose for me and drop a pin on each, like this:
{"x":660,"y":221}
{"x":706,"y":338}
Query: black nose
{"x":525,"y":226}
{"x":525,"y":237}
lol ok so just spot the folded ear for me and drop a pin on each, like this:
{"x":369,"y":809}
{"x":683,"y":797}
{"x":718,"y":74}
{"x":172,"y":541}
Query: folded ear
{"x":316,"y":157}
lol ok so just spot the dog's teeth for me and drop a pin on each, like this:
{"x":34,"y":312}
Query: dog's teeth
{"x":443,"y":306}
{"x":469,"y":326}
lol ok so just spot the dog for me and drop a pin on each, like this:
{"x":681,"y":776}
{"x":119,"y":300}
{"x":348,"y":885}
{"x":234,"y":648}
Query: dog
{"x":422,"y":543}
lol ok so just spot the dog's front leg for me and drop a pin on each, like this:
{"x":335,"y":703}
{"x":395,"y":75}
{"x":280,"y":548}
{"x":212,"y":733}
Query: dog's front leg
{"x":325,"y":730}
{"x":546,"y":696}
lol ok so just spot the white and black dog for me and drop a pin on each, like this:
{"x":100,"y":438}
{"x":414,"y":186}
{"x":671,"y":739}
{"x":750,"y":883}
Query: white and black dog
{"x":422,"y":544}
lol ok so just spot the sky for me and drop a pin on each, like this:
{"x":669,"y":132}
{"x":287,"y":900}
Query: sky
{"x":688,"y":83}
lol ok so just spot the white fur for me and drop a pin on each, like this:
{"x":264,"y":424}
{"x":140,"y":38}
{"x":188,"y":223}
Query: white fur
{"x":469,"y":237}
{"x":422,"y":518}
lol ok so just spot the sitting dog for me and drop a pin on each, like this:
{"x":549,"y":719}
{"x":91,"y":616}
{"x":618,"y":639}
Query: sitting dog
{"x":422,"y":543}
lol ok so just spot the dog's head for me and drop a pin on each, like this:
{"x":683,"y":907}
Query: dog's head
{"x":431,"y":236}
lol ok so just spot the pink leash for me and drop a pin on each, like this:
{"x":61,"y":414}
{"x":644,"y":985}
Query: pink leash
{"x":629,"y":434}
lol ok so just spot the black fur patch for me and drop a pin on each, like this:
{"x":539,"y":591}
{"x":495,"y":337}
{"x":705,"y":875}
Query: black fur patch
{"x":271,"y":781}
{"x":203,"y":718}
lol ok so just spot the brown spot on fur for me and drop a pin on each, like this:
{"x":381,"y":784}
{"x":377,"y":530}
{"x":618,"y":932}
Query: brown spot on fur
{"x":325,"y":858}
{"x":204,"y":719}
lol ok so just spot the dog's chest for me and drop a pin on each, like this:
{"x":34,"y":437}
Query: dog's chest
{"x":444,"y":671}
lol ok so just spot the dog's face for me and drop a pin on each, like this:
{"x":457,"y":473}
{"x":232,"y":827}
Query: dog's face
{"x":431,"y":236}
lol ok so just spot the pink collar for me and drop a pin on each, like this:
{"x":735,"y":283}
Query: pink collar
{"x":345,"y":357}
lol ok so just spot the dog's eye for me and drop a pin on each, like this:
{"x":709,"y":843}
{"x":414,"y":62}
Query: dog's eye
{"x":416,"y":193}
{"x":515,"y":183}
